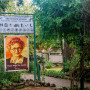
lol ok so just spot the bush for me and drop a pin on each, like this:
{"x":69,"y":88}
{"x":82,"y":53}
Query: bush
{"x":53,"y":73}
{"x":49,"y":64}
{"x":70,"y":65}
{"x":31,"y":66}
{"x":40,"y":59}
{"x":8,"y":77}
{"x":5,"y":81}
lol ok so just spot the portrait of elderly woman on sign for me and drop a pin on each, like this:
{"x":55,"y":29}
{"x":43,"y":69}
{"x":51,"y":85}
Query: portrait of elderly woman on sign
{"x":17,"y":61}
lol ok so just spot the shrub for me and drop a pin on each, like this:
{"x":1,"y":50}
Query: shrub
{"x":53,"y":73}
{"x":40,"y":59}
{"x":49,"y":64}
{"x":70,"y":65}
{"x":8,"y":77}
{"x":31,"y":66}
{"x":15,"y":76}
{"x":62,"y":74}
{"x":5,"y":81}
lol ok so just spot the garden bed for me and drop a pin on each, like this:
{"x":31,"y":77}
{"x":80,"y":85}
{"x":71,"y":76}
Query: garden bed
{"x":53,"y":73}
{"x":25,"y":83}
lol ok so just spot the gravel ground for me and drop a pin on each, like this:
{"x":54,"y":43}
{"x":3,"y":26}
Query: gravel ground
{"x":58,"y":82}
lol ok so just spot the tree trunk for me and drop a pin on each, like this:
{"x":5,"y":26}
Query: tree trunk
{"x":81,"y":66}
{"x":82,"y":74}
{"x":82,"y":83}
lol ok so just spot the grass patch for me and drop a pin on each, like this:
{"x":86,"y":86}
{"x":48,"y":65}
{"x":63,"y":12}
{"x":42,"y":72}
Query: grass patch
{"x":55,"y":69}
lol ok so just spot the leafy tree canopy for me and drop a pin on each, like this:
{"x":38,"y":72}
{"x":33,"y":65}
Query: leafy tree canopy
{"x":3,"y":5}
{"x":61,"y":18}
{"x":69,"y":19}
{"x":24,"y":7}
{"x":20,"y":2}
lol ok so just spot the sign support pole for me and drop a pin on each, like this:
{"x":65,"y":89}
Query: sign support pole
{"x":35,"y":62}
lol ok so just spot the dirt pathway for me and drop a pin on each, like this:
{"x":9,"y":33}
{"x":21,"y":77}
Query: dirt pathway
{"x":58,"y":82}
{"x":37,"y":88}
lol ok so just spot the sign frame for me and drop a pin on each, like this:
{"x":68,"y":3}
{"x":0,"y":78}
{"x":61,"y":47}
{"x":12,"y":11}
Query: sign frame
{"x":5,"y":45}
{"x":16,"y":24}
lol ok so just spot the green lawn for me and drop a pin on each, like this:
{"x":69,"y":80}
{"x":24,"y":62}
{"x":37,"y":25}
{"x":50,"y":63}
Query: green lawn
{"x":55,"y":69}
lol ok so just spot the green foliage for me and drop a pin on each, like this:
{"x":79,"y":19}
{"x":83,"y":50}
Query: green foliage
{"x":43,"y":78}
{"x":87,"y":64}
{"x":58,"y":18}
{"x":31,"y":63}
{"x":40,"y":59}
{"x":22,"y":6}
{"x":68,"y":19}
{"x":70,"y":65}
{"x":87,"y":57}
{"x":31,"y":66}
{"x":5,"y":81}
{"x":53,"y":73}
{"x":8,"y":77}
{"x":20,"y":2}
{"x":3,"y":5}
{"x":55,"y":69}
{"x":49,"y":64}
{"x":42,"y":43}
{"x":1,"y":46}
{"x":15,"y":76}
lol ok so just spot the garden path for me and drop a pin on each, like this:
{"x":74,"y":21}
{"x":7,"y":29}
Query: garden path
{"x":57,"y":81}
